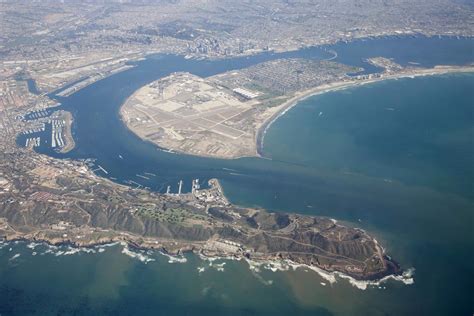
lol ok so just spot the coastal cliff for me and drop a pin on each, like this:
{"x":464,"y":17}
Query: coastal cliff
{"x":60,"y":201}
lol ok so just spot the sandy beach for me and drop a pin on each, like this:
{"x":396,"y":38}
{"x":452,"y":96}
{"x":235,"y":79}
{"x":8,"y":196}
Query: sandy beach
{"x":300,"y":96}
{"x":262,"y":126}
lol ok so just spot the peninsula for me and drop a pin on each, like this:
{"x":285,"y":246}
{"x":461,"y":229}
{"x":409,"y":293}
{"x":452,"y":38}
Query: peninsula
{"x":227,"y":115}
{"x":61,"y":201}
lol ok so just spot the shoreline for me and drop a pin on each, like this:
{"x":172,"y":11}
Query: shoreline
{"x":133,"y":249}
{"x":341,"y":85}
{"x":92,"y":236}
{"x":262,"y":129}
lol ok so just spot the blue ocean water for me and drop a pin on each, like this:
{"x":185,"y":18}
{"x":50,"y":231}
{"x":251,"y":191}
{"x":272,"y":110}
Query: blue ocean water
{"x":393,"y":157}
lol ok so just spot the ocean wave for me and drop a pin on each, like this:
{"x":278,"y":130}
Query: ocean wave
{"x":61,"y":250}
{"x":328,"y":276}
{"x":108,"y":245}
{"x":286,"y":265}
{"x":213,"y":264}
{"x":174,"y":259}
{"x":101,"y":248}
{"x":211,"y":259}
{"x":201,"y":269}
{"x":33,"y":245}
{"x":332,"y":277}
{"x":50,"y":249}
{"x":218,"y":266}
{"x":68,"y":251}
{"x":406,"y":278}
{"x":136,"y":255}
{"x":14,"y":257}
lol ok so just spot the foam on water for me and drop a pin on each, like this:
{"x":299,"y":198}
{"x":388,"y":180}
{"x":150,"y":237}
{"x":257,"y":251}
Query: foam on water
{"x":66,"y":250}
{"x":33,"y":245}
{"x":201,"y":269}
{"x":218,"y":266}
{"x":254,"y":266}
{"x":72,"y":251}
{"x":211,"y":259}
{"x":14,"y":257}
{"x":136,"y":255}
{"x":332,"y":277}
{"x":406,"y":278}
{"x":174,"y":259}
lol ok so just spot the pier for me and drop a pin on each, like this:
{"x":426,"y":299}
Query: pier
{"x":180,"y":184}
{"x":102,"y":169}
{"x":57,"y":133}
{"x":195,"y":186}
{"x":33,"y":142}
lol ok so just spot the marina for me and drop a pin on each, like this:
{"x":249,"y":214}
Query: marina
{"x":57,"y":133}
{"x":38,"y":114}
{"x":35,"y":129}
{"x":33,"y":142}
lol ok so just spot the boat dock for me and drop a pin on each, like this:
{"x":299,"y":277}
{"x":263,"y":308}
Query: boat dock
{"x":57,"y":133}
{"x":102,"y":169}
{"x":180,"y":186}
{"x":143,"y":177}
{"x":33,"y":142}
{"x":35,"y":129}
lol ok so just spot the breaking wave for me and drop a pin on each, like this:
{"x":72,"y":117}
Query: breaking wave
{"x":332,"y":277}
{"x":14,"y":257}
{"x":174,"y":259}
{"x":136,"y":255}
